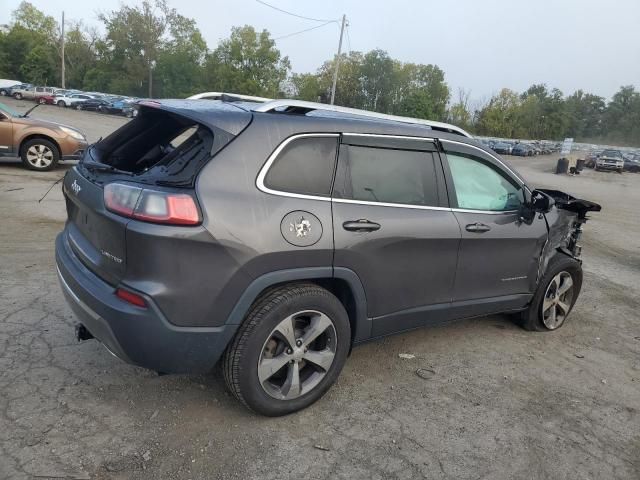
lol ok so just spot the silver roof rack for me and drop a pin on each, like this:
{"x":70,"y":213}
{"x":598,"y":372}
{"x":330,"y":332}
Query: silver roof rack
{"x":220,"y":95}
{"x":301,"y":106}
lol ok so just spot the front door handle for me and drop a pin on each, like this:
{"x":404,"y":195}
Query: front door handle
{"x":362,"y":225}
{"x":477,"y":227}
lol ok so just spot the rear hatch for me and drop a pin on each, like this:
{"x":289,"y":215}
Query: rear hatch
{"x":161,"y":150}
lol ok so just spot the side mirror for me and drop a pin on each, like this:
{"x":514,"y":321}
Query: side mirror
{"x":541,"y":202}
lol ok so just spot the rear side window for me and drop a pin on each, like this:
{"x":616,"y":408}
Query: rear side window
{"x":305,"y":166}
{"x":389,"y":176}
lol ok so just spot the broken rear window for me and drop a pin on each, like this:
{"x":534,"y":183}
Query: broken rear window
{"x":157,"y":147}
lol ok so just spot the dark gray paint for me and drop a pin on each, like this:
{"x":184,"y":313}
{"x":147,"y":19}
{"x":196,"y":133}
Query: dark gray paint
{"x":419,"y":268}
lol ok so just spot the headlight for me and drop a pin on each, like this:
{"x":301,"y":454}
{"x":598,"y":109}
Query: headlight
{"x":73,"y":133}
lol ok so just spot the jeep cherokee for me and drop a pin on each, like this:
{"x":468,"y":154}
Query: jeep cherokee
{"x":276,"y":236}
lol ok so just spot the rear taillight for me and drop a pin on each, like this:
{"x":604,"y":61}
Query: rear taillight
{"x":151,"y":205}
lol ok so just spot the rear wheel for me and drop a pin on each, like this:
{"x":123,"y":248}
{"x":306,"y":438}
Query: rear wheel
{"x":39,"y":154}
{"x":289,"y":350}
{"x":17,"y":96}
{"x":555,"y":297}
{"x":61,"y":103}
{"x":42,"y":101}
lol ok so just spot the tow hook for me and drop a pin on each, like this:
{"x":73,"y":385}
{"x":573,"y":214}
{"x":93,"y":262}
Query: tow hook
{"x":82,"y":333}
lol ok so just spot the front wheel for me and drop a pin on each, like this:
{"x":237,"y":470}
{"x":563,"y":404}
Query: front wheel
{"x":61,"y":103}
{"x":17,"y":96}
{"x":42,"y":101}
{"x":555,"y":297}
{"x":289,"y":350}
{"x":40,"y":154}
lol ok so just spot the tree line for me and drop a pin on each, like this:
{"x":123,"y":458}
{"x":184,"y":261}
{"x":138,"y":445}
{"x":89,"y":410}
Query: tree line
{"x":153,"y":51}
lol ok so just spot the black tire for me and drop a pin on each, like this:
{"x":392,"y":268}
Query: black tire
{"x":79,"y":107}
{"x":3,"y":93}
{"x":61,"y":103}
{"x":47,"y":146}
{"x":241,"y":359}
{"x":42,"y":101}
{"x":17,"y":96}
{"x":533,"y":318}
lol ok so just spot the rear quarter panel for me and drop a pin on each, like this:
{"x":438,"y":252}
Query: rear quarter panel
{"x":246,"y":222}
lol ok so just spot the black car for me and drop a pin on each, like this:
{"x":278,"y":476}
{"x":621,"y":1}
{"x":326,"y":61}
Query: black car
{"x":277,"y":236}
{"x":95,"y":104}
{"x":522,"y":150}
{"x":632,"y":163}
{"x":502,"y":148}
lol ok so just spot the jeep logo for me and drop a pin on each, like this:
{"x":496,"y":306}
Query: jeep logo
{"x":75,"y":187}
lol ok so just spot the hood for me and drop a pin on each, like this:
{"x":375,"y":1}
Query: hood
{"x":36,"y":122}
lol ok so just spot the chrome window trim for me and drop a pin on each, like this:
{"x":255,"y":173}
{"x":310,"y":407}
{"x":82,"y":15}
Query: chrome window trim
{"x":385,"y":204}
{"x":382,"y":135}
{"x":487,"y":212}
{"x":265,"y":169}
{"x":272,"y":158}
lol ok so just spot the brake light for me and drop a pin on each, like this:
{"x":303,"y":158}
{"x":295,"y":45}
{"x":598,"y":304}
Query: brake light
{"x":153,"y":206}
{"x":130,"y":297}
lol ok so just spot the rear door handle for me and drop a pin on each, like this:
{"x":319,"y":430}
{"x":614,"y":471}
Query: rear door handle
{"x":362,"y":225}
{"x":477,"y":227}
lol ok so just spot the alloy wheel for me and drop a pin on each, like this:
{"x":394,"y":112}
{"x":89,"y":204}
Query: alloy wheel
{"x":557,"y":300}
{"x":297,"y":355}
{"x":40,"y":156}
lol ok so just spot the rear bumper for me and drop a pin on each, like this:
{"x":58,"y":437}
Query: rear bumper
{"x":140,"y":336}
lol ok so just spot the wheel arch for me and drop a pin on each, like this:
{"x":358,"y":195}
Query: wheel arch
{"x":33,"y":136}
{"x":342,"y":282}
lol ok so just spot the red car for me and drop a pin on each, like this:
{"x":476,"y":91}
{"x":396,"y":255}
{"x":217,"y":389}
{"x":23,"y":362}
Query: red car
{"x":42,"y":99}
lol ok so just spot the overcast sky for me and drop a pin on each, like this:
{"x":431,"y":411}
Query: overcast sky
{"x":482,"y":45}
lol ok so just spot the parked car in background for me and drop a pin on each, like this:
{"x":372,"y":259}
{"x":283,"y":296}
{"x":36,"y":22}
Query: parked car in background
{"x":46,"y":99}
{"x":502,"y":148}
{"x":31,"y":93}
{"x":632,"y":163}
{"x":610,"y":160}
{"x":122,"y":106}
{"x":591,"y":157}
{"x":70,"y":100}
{"x":39,"y":143}
{"x":522,"y":150}
{"x":95,"y":104}
{"x":7,"y":85}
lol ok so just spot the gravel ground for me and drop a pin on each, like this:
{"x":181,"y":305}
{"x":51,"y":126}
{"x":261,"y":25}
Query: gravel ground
{"x":496,"y":402}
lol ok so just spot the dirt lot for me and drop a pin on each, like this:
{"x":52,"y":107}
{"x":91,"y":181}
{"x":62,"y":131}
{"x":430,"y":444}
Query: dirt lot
{"x":502,"y":403}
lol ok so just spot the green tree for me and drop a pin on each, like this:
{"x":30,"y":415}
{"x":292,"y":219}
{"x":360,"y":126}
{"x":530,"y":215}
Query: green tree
{"x":498,"y":117}
{"x":179,"y":72}
{"x":135,"y":37}
{"x":247,"y":62}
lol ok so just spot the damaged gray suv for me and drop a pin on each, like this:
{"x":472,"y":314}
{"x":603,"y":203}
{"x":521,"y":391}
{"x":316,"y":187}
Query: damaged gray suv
{"x":273,"y":237}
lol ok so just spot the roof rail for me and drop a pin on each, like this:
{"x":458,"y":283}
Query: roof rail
{"x":303,"y":107}
{"x":228,"y":97}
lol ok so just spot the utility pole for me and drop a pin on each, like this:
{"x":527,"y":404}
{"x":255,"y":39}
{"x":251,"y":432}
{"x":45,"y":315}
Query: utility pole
{"x":62,"y":41}
{"x":335,"y":73}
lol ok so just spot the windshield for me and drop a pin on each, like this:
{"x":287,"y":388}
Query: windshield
{"x":612,"y":154}
{"x":9,"y":111}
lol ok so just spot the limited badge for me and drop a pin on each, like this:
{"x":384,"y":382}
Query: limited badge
{"x":301,"y":228}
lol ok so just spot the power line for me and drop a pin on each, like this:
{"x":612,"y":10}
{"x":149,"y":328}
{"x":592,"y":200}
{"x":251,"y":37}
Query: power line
{"x":305,"y":30}
{"x":294,"y":14}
